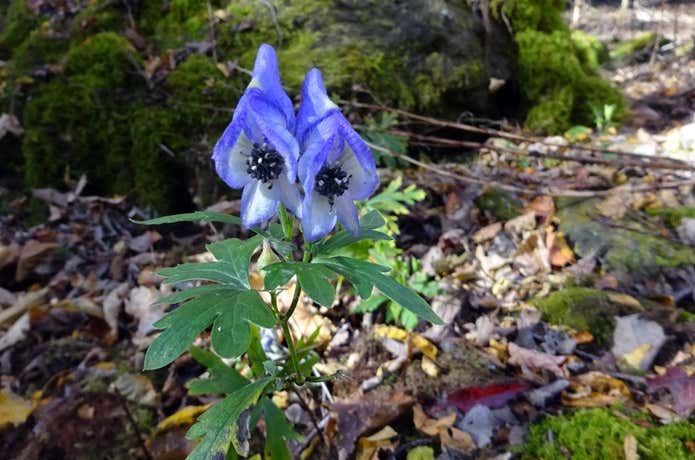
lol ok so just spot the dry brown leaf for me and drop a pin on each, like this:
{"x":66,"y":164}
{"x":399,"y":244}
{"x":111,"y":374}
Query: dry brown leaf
{"x":368,"y":447}
{"x":595,"y":389}
{"x":560,"y":252}
{"x":32,"y":253}
{"x":542,"y":206}
{"x":182,"y":417}
{"x":532,"y":359}
{"x":487,"y":233}
{"x":449,"y":435}
{"x":630,"y":447}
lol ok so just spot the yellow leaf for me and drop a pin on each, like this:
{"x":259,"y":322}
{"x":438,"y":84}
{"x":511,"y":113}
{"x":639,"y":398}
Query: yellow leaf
{"x":421,"y":453}
{"x":426,"y":347}
{"x":391,"y":332}
{"x":633,"y":359}
{"x":429,"y":367}
{"x":13,"y":409}
{"x":368,"y":447}
{"x":184,"y":416}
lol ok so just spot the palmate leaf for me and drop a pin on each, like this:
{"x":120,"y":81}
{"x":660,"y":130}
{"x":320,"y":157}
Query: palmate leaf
{"x":223,"y":378}
{"x":218,"y":425}
{"x":231,"y":268}
{"x":313,"y":278}
{"x":365,"y":275}
{"x":231,"y":311}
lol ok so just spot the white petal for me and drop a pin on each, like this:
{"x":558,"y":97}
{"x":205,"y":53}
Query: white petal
{"x":362,"y":183}
{"x":258,"y":204}
{"x":347,"y":214}
{"x":318,"y":217}
{"x":236,"y":162}
{"x":287,"y":193}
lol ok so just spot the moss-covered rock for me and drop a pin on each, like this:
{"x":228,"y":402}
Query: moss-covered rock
{"x":624,"y":50}
{"x":557,"y":69}
{"x":583,"y":309}
{"x":624,"y":248}
{"x":502,"y":205}
{"x":599,"y":434}
{"x":591,"y":52}
{"x":18,"y":24}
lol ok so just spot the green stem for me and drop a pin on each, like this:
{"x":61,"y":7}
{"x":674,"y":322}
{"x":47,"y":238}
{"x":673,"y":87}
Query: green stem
{"x":284,"y":322}
{"x":287,"y":223}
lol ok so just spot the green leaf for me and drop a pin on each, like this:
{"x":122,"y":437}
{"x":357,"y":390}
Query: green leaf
{"x":255,"y":353}
{"x":313,"y":278}
{"x":230,"y":333}
{"x":237,"y":253}
{"x":278,"y":274}
{"x":278,"y":431}
{"x":220,"y":272}
{"x":193,"y":217}
{"x":223,"y":378}
{"x":182,"y":326}
{"x":370,"y":304}
{"x":218,"y":425}
{"x":182,"y":296}
{"x":232,"y":311}
{"x":362,"y":271}
{"x":368,"y":225}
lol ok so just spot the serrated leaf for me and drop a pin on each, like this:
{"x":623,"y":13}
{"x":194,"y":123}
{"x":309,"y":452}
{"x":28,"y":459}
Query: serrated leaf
{"x":232,"y":312}
{"x":230,"y":333}
{"x":218,"y":425}
{"x":278,"y":431}
{"x":278,"y":274}
{"x":367,"y":272}
{"x":182,"y":326}
{"x":220,"y":272}
{"x":237,"y":253}
{"x":223,"y":378}
{"x":182,"y":296}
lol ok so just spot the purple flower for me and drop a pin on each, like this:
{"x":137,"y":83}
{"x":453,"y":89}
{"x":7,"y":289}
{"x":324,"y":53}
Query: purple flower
{"x":336,"y":166}
{"x":257,"y":151}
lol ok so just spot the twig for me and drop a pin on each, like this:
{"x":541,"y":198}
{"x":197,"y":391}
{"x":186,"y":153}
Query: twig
{"x":312,"y":435}
{"x":211,"y":24}
{"x":552,"y":191}
{"x":24,"y":303}
{"x":496,"y":132}
{"x":315,"y":422}
{"x":654,"y":163}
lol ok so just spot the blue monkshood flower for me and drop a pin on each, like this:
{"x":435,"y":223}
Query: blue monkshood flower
{"x":336,"y":167}
{"x":257,"y":151}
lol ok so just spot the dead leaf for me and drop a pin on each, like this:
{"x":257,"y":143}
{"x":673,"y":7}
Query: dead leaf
{"x":595,"y":389}
{"x":10,"y":124}
{"x":560,"y":252}
{"x":141,"y":305}
{"x":444,"y":428}
{"x":630,"y":447}
{"x":532,"y":359}
{"x":543,"y":207}
{"x":532,"y":256}
{"x":680,"y":385}
{"x":636,"y":342}
{"x":182,"y":417}
{"x":14,"y":409}
{"x":136,"y":388}
{"x":9,"y":254}
{"x":487,"y":233}
{"x":522,"y":223}
{"x":112,"y":308}
{"x":33,"y":252}
{"x":15,"y":333}
{"x":368,"y":447}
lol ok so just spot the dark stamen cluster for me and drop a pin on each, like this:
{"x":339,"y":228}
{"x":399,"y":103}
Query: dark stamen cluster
{"x":264,"y":163}
{"x":331,"y":182}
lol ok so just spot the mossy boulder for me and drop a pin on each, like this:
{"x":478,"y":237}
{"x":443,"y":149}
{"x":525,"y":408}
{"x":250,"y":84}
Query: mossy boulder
{"x":623,"y":247}
{"x":557,"y":69}
{"x":600,"y":434}
{"x":582,"y":309}
{"x":18,"y":24}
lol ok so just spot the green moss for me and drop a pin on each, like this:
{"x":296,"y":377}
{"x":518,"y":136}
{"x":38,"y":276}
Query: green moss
{"x":41,"y":46}
{"x":553,"y":113}
{"x":501,"y":204}
{"x":95,"y":19}
{"x":181,"y":21}
{"x":581,"y":309}
{"x":105,"y":59}
{"x":594,"y":92}
{"x":598,"y":434}
{"x":628,"y":247}
{"x":540,"y":15}
{"x":18,"y":23}
{"x":629,"y":47}
{"x":591,"y":52}
{"x":672,"y":216}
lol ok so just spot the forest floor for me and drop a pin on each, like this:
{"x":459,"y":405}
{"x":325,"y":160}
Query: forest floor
{"x":563,"y":268}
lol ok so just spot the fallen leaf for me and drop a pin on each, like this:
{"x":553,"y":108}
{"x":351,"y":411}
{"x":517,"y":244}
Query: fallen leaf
{"x":493,"y":396}
{"x":636,"y":342}
{"x":532,"y":359}
{"x":136,"y":388}
{"x":480,"y":423}
{"x":560,"y":252}
{"x":680,"y":385}
{"x":630,"y":447}
{"x":542,"y":206}
{"x":449,"y":435}
{"x":182,"y":417}
{"x":368,"y":447}
{"x":141,"y":305}
{"x":14,"y":409}
{"x":487,"y":233}
{"x":10,"y":124}
{"x":429,"y":367}
{"x":33,"y":252}
{"x":16,"y":332}
{"x":595,"y":389}
{"x":420,"y":453}
{"x":522,"y":223}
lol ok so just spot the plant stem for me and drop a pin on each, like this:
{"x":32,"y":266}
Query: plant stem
{"x":287,"y":223}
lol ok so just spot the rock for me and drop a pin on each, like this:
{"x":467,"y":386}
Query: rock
{"x":636,"y":342}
